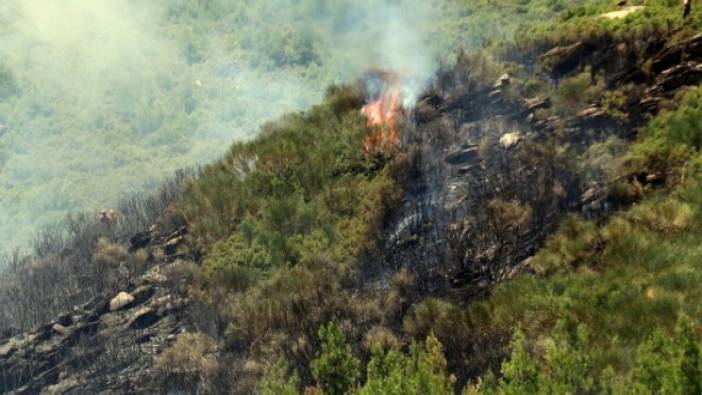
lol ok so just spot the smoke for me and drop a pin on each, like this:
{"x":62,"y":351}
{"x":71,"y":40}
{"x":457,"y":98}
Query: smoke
{"x":398,"y":36}
{"x":108,"y":97}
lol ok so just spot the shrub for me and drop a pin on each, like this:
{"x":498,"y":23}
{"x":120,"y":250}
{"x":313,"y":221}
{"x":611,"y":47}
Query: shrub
{"x":515,"y":216}
{"x":572,"y":245}
{"x":189,"y":363}
{"x":575,"y":92}
{"x":381,"y":336}
{"x":668,"y":145}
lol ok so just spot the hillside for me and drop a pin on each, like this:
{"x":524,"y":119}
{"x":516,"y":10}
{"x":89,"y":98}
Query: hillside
{"x":527,"y":222}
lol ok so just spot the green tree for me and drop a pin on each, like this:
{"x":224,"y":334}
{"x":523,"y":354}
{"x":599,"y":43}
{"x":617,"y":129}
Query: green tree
{"x":278,"y":382}
{"x":430,"y":376}
{"x":568,"y":365}
{"x":386,"y":373}
{"x":421,"y":372}
{"x":520,"y":372}
{"x":655,"y":371}
{"x":688,"y":357}
{"x":335,"y":368}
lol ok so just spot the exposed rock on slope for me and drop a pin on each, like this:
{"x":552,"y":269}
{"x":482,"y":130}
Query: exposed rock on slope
{"x":470,"y":181}
{"x":107,"y":345}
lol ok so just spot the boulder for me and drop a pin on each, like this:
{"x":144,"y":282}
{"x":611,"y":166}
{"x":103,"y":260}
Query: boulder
{"x":509,"y":140}
{"x":623,"y":13}
{"x":121,"y":301}
{"x":504,"y":81}
{"x":60,"y":329}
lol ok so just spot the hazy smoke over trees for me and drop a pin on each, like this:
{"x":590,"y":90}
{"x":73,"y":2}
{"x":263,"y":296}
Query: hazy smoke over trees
{"x":104,"y":98}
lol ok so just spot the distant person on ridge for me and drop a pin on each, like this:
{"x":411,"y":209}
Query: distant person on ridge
{"x":105,"y":220}
{"x":687,"y":6}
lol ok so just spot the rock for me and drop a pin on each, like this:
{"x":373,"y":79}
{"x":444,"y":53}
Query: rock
{"x":171,"y":246}
{"x":686,"y":74}
{"x":60,"y":329}
{"x":592,"y":116}
{"x":535,"y":103}
{"x":142,"y":294}
{"x":62,"y":387}
{"x":174,"y":241}
{"x":65,"y":319}
{"x":155,"y":276}
{"x":504,"y":81}
{"x":122,"y":300}
{"x":144,"y":318}
{"x":469,"y":169}
{"x":465,"y":155}
{"x":7,"y":349}
{"x":622,"y":13}
{"x":564,"y":59}
{"x":509,"y":140}
{"x":676,"y":54}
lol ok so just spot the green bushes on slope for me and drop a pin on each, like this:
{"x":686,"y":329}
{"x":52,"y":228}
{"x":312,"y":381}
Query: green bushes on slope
{"x":282,"y":223}
{"x":672,"y":141}
{"x":300,"y":193}
{"x":421,"y":370}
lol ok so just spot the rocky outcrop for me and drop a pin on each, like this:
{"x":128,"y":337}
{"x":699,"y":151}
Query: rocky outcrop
{"x":562,"y":60}
{"x":677,"y":54}
{"x":105,"y":346}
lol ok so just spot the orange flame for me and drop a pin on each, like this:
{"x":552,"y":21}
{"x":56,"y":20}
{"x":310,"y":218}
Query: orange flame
{"x":381,"y":118}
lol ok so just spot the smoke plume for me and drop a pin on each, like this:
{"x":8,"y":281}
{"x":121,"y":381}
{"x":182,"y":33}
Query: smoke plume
{"x":100,"y":99}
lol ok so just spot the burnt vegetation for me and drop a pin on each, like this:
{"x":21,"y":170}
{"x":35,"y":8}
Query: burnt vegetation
{"x":536,"y":231}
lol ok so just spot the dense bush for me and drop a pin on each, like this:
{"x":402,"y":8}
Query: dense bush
{"x":302,"y":193}
{"x":672,"y":141}
{"x":422,"y":369}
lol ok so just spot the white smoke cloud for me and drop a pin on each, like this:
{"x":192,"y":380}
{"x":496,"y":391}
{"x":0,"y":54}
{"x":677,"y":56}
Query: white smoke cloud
{"x":110,"y":104}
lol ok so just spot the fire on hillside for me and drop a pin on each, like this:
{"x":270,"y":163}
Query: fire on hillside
{"x":382,"y":112}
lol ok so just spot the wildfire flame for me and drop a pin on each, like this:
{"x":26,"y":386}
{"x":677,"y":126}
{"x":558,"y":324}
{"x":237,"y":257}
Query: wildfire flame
{"x":382,"y":115}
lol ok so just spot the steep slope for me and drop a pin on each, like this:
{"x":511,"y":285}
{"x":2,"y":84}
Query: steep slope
{"x":299,"y":230}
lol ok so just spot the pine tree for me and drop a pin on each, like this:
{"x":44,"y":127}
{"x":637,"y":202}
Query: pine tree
{"x":278,"y":382}
{"x":335,"y":368}
{"x":520,"y":372}
{"x":688,"y":357}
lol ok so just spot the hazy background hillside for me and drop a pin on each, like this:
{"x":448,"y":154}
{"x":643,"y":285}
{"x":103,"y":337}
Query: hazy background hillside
{"x":101,"y":99}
